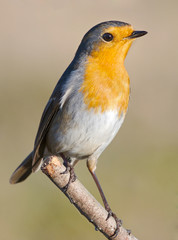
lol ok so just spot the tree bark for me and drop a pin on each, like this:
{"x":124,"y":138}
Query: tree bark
{"x":83,"y":200}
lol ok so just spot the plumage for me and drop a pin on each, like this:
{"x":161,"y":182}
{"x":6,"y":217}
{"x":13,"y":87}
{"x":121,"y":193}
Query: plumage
{"x":87,"y":106}
{"x":89,"y":102}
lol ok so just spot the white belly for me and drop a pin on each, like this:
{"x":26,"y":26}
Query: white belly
{"x":82,"y":133}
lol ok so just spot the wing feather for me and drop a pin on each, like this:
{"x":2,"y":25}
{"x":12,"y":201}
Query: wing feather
{"x":49,"y":113}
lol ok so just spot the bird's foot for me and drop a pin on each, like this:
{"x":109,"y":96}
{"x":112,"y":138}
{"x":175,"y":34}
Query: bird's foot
{"x":118,"y":222}
{"x":66,"y":163}
{"x":72,"y":177}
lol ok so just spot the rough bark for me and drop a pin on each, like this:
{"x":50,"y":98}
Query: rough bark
{"x":83,"y":200}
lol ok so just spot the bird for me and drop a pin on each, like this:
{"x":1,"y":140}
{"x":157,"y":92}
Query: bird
{"x":88,"y":105}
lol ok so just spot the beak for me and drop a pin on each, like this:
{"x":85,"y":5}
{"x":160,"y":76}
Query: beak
{"x":136,"y":34}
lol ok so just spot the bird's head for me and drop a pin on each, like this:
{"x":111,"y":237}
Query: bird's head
{"x":110,"y":40}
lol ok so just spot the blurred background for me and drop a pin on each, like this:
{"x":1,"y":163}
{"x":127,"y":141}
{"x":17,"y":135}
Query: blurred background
{"x":139,"y":170}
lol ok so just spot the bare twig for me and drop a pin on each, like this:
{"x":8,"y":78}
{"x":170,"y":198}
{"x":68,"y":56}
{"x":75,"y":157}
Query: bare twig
{"x":83,"y":200}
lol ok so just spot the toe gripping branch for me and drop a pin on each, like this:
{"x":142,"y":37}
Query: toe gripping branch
{"x":118,"y":222}
{"x":69,"y":169}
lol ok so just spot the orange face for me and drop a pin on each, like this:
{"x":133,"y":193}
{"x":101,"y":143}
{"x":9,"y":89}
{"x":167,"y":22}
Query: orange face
{"x":106,"y":82}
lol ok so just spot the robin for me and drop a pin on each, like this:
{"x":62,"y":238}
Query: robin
{"x":88,"y":104}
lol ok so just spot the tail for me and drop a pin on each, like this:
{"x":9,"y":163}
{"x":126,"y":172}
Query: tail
{"x":23,"y":170}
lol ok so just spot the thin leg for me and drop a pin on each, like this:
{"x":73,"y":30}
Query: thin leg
{"x":106,"y":205}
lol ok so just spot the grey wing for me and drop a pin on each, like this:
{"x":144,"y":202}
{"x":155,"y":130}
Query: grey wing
{"x":49,"y":113}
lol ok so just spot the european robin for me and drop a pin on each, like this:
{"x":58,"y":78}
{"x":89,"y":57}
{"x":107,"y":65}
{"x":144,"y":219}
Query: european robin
{"x":88,"y":104}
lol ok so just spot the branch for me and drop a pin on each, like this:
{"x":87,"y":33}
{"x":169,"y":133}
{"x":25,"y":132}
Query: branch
{"x":83,"y":200}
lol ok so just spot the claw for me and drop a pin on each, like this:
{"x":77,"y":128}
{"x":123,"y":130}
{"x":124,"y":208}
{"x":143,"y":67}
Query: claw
{"x":128,"y":231}
{"x":65,"y":171}
{"x":118,"y":222}
{"x":72,"y":177}
{"x":109,"y":214}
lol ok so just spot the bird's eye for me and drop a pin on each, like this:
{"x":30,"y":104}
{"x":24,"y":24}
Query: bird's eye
{"x":108,"y":37}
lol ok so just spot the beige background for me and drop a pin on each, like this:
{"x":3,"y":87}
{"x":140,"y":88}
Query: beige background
{"x":139,"y":170}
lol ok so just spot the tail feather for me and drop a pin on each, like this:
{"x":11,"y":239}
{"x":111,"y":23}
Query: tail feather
{"x":23,"y":170}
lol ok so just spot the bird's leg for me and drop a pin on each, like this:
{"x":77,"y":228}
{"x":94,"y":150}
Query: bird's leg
{"x":70,"y":169}
{"x":91,"y":164}
{"x":66,"y":162}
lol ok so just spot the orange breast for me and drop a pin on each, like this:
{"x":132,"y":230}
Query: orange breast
{"x":106,"y":81}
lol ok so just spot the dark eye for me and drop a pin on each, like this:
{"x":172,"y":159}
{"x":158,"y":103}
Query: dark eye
{"x":107,"y":37}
